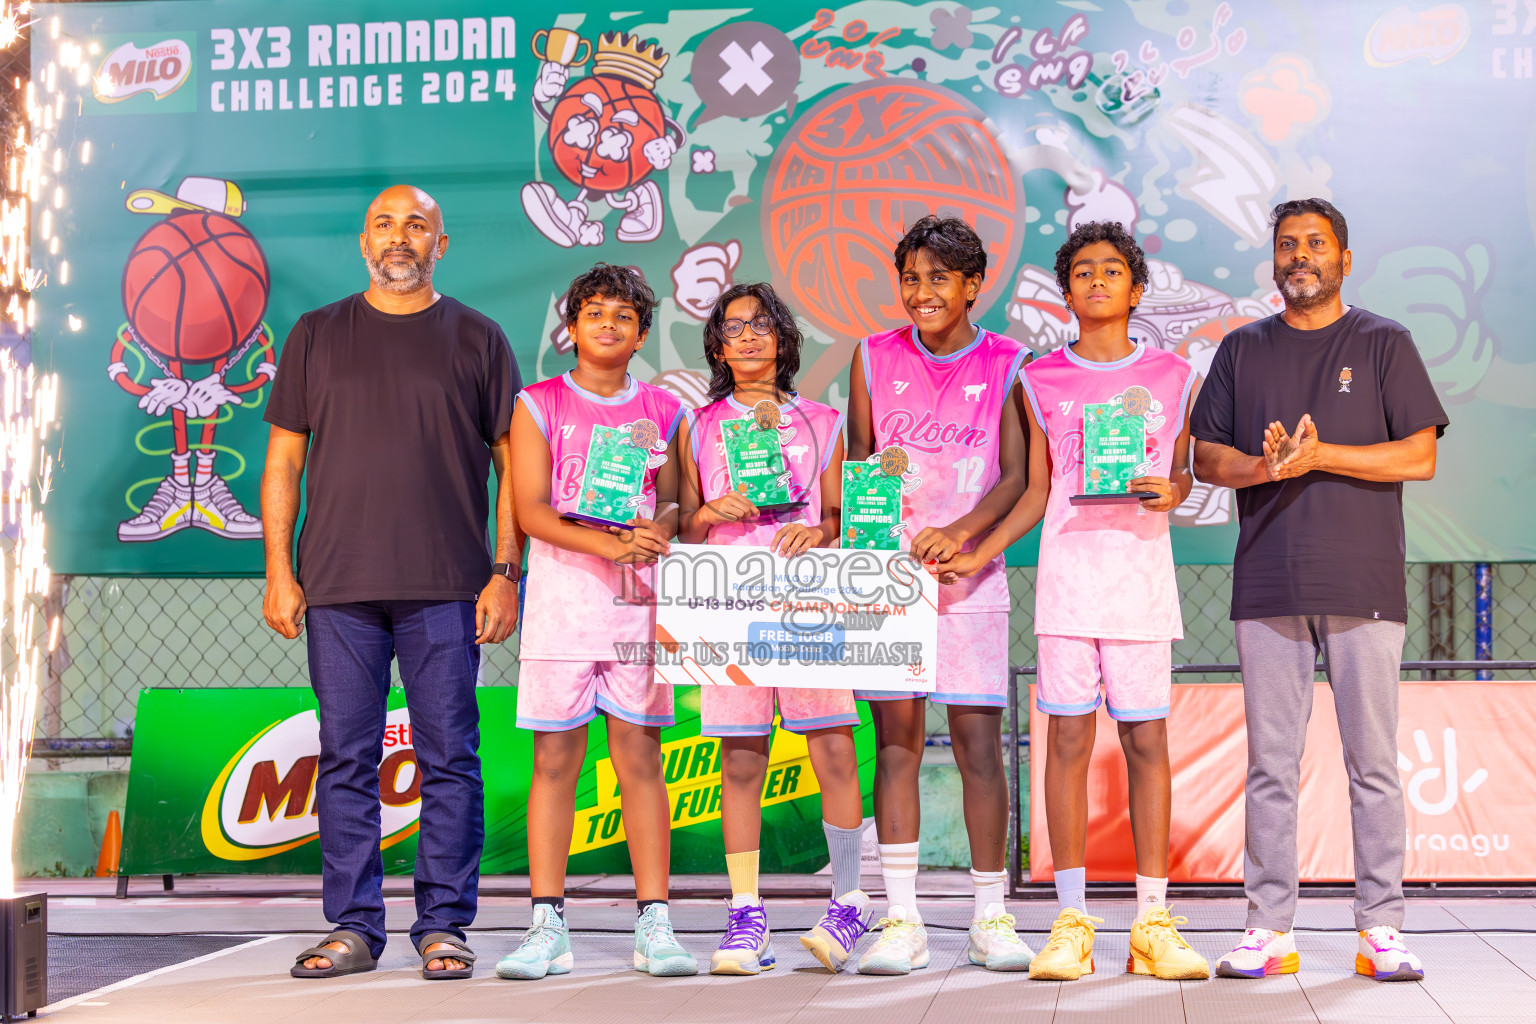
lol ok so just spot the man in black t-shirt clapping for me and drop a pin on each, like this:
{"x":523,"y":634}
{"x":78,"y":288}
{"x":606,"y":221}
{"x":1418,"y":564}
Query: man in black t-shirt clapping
{"x":1319,"y":569}
{"x":392,"y":405}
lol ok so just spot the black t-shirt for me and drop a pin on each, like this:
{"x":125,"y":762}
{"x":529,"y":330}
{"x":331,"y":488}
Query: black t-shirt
{"x":1318,"y":544}
{"x":401,"y":409}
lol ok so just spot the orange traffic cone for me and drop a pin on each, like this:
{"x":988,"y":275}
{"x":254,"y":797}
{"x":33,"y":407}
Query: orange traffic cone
{"x":111,"y":847}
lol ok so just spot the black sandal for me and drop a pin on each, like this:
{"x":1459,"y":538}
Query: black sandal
{"x":459,"y":951}
{"x":354,"y":960}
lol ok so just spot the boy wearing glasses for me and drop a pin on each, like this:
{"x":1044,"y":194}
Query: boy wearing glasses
{"x":752,"y":345}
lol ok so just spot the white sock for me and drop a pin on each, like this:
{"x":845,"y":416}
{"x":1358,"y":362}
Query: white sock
{"x":1072,"y":889}
{"x":1151,"y":893}
{"x":989,"y":889}
{"x":898,"y":866}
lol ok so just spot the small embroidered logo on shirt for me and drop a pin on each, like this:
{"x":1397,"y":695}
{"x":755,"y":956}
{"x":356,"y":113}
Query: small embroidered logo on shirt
{"x":901,"y":385}
{"x":974,"y":391}
{"x":1345,"y":376}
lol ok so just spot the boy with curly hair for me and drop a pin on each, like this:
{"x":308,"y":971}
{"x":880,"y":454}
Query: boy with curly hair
{"x":1106,"y":600}
{"x":589,"y":595}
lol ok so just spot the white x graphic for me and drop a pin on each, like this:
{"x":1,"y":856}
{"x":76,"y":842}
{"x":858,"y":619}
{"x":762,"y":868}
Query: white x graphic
{"x":746,"y":69}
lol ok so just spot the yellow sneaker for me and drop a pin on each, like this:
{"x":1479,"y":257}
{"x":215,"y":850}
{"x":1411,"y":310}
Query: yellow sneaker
{"x":1069,"y":953}
{"x":1157,"y":948}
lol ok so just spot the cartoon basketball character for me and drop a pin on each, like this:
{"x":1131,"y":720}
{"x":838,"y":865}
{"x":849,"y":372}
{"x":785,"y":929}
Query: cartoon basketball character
{"x":195,"y":288}
{"x":607,"y":132}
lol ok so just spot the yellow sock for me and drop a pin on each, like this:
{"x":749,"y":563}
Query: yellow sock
{"x":742,"y":867}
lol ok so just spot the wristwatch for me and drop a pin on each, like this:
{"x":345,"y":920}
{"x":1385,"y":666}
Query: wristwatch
{"x":506,"y":569}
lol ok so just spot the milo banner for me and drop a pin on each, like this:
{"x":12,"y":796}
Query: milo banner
{"x":209,"y":165}
{"x":223,"y":780}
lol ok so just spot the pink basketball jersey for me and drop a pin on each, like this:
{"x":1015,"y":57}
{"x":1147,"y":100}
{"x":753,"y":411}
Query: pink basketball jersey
{"x":1106,"y":571}
{"x":808,"y":432}
{"x":946,"y":411}
{"x":579,"y":605}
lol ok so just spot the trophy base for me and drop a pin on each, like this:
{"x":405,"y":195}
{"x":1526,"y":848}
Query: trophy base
{"x":577,"y":517}
{"x":783,"y":506}
{"x":1128,"y":498}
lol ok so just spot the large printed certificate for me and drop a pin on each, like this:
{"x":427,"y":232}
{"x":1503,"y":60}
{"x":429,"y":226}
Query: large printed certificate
{"x":828,"y":618}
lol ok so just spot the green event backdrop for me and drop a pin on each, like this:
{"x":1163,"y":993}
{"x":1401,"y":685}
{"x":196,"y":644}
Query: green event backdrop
{"x":804,"y":139}
{"x":185,"y":740}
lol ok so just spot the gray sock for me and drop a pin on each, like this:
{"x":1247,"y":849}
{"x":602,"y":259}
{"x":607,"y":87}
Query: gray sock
{"x":844,"y":846}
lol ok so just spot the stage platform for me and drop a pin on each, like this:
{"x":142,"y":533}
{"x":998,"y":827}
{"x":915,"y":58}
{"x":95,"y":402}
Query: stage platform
{"x":216,"y":951}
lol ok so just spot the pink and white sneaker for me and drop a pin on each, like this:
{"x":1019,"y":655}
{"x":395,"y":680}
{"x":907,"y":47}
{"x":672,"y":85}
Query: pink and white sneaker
{"x":1384,"y":956}
{"x":1261,"y":952}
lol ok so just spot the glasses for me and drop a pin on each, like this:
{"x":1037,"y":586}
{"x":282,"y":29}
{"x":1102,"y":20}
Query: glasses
{"x":761,"y":325}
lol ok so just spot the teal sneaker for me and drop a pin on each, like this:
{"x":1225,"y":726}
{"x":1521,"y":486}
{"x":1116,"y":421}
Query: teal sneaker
{"x":657,"y":952}
{"x":546,"y":949}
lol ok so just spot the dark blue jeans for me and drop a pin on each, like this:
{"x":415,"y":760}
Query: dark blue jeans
{"x":350,"y":646}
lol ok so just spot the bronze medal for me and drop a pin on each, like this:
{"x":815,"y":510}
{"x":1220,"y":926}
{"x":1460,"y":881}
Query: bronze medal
{"x":644,"y":434}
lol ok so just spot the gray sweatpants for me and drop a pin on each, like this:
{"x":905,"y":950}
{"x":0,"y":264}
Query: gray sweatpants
{"x":1363,"y":658}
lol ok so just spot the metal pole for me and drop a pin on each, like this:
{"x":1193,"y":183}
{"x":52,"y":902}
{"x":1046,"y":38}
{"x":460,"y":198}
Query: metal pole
{"x":1015,"y":844}
{"x":53,"y":687}
{"x":1482,"y":574}
{"x":1441,"y":614}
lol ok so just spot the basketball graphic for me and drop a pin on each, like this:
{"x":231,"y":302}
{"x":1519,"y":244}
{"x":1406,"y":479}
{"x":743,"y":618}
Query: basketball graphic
{"x":766,"y":414}
{"x":195,"y":286}
{"x":606,"y":133}
{"x":602,"y":145}
{"x":644,"y":434}
{"x":856,"y":171}
{"x":1136,"y":401}
{"x":894,"y":461}
{"x":194,"y":291}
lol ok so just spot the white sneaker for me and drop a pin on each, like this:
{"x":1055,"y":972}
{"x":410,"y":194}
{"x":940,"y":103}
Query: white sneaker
{"x":218,"y":511}
{"x":1261,"y":952}
{"x":644,"y":220}
{"x":994,"y":943}
{"x":168,"y":510}
{"x":901,"y":948}
{"x":747,"y":947}
{"x":1384,"y":956}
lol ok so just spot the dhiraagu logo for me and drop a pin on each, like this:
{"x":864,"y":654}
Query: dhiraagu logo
{"x":1435,"y":786}
{"x":692,"y":768}
{"x":263,"y":802}
{"x":157,"y":77}
{"x":1449,"y":769}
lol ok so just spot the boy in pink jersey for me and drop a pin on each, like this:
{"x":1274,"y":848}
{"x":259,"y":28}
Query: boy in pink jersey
{"x":590,"y":597}
{"x":752,"y":345}
{"x":946,"y":392}
{"x":1106,"y":600}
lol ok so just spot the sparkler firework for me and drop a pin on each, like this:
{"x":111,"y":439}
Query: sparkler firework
{"x":28,"y":408}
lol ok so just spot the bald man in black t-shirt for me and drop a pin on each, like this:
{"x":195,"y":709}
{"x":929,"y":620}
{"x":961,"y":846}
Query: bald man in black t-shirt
{"x":392,"y":406}
{"x":1319,"y":569}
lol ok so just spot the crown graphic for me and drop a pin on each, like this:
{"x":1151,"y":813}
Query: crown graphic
{"x":626,"y":56}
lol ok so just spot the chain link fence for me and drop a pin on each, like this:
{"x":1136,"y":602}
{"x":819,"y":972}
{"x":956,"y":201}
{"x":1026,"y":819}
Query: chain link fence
{"x":120,"y":635}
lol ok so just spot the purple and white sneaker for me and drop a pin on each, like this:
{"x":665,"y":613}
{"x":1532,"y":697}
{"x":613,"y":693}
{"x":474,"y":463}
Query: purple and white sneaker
{"x":833,"y":939}
{"x":747,"y":948}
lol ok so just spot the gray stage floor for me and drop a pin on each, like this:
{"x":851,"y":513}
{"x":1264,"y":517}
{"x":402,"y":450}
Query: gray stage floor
{"x":222,"y":959}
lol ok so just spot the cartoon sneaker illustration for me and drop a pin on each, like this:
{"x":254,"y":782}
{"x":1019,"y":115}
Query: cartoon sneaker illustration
{"x":169,"y":510}
{"x":218,"y":511}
